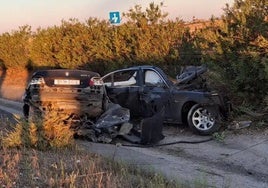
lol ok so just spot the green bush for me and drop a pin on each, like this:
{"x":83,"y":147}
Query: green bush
{"x":238,"y":48}
{"x":15,"y":47}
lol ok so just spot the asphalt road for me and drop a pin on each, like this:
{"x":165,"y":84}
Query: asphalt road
{"x":239,"y":161}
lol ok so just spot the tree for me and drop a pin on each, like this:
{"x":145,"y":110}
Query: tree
{"x":15,"y":47}
{"x":152,"y":15}
{"x":247,"y":26}
{"x":64,"y":46}
{"x":240,"y":48}
{"x":153,"y":40}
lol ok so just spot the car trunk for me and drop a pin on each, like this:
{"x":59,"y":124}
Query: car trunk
{"x":70,"y":91}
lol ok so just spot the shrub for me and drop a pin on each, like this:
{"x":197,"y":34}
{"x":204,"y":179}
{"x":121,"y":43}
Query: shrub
{"x":41,"y":133}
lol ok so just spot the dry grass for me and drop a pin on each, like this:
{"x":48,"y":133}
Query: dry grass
{"x":32,"y":156}
{"x":41,"y":133}
{"x":70,"y":168}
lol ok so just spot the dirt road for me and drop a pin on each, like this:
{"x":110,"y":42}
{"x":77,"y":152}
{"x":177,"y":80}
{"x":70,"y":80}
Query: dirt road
{"x":240,"y":160}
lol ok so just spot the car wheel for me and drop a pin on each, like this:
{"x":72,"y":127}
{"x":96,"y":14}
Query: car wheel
{"x":203,"y":120}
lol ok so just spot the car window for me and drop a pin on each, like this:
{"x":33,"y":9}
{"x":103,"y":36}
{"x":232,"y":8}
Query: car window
{"x":153,"y":79}
{"x":122,"y":78}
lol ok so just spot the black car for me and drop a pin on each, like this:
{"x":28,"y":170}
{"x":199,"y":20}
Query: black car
{"x":146,"y":90}
{"x":74,"y":92}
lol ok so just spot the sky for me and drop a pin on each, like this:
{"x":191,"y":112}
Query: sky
{"x":45,"y":13}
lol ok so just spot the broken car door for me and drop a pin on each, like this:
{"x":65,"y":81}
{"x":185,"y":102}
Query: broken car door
{"x":123,"y":88}
{"x":155,"y":93}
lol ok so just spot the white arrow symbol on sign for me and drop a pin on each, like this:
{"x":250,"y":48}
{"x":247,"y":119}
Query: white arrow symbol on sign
{"x":115,"y":18}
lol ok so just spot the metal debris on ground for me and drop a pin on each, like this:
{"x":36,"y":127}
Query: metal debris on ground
{"x":235,"y":125}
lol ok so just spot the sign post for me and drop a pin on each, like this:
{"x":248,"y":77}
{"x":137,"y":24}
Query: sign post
{"x":114,"y":17}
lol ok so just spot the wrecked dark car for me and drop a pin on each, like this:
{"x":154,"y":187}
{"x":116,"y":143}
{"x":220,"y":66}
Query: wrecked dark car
{"x":81,"y":95}
{"x":147,"y":90}
{"x":76,"y":92}
{"x":133,"y":103}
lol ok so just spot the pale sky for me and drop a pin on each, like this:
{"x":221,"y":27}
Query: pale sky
{"x":44,"y":13}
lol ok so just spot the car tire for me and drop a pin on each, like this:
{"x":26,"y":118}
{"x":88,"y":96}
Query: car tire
{"x":203,"y":120}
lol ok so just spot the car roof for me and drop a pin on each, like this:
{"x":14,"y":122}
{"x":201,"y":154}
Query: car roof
{"x":137,"y":67}
{"x":60,"y":70}
{"x":143,"y":66}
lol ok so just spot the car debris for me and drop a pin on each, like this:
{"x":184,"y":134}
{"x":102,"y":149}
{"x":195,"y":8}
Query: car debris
{"x":116,"y":122}
{"x":114,"y":115}
{"x":189,"y":73}
{"x":235,"y":125}
{"x":107,"y":126}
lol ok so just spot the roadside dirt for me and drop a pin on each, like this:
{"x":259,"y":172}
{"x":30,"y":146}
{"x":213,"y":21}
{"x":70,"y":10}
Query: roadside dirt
{"x":13,"y":83}
{"x":241,"y":152}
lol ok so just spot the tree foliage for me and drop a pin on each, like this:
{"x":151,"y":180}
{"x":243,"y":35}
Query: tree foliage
{"x":244,"y":45}
{"x":15,"y":46}
{"x":238,"y":47}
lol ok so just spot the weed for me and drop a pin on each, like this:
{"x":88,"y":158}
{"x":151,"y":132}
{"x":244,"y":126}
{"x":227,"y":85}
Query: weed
{"x":41,"y":133}
{"x":219,"y":136}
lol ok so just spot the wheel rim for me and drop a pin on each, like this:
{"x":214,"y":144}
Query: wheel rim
{"x":202,"y":119}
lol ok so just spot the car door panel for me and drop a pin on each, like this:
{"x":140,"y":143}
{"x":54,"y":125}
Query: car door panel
{"x":123,"y":88}
{"x":157,"y":93}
